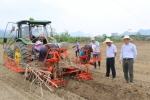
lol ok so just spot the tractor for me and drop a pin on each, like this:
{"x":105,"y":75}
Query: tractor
{"x":27,"y":32}
{"x":18,"y":47}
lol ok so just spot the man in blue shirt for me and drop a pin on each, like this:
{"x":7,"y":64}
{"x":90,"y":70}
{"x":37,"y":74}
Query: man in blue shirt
{"x":111,"y":53}
{"x":127,"y":55}
{"x":96,"y":52}
{"x":76,"y":46}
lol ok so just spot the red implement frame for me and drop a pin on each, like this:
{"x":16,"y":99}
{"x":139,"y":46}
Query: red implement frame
{"x":64,"y":53}
{"x":93,"y":60}
{"x":78,"y":72}
{"x":85,"y":57}
{"x":57,"y":82}
{"x":14,"y":65}
{"x":55,"y":59}
{"x":85,"y":75}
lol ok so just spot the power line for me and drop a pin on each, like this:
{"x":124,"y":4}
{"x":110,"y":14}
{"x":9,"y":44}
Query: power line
{"x":131,"y":12}
{"x":145,"y":9}
{"x":140,"y":8}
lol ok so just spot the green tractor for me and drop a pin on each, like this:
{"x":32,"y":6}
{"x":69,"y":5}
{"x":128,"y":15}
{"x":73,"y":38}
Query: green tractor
{"x":27,"y":32}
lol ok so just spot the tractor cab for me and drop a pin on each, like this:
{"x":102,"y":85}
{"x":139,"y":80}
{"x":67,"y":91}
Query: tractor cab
{"x":34,"y":30}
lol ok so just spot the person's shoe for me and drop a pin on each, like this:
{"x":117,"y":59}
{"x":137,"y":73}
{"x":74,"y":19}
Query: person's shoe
{"x":126,"y":81}
{"x":107,"y":77}
{"x":113,"y":79}
{"x":131,"y":83}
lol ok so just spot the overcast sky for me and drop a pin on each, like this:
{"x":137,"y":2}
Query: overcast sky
{"x":89,"y":16}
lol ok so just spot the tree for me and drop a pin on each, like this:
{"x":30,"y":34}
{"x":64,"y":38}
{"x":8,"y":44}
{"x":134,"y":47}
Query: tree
{"x":53,"y":32}
{"x":104,"y":36}
{"x":64,"y":36}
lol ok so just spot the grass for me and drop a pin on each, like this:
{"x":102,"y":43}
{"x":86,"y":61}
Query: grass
{"x":1,"y":41}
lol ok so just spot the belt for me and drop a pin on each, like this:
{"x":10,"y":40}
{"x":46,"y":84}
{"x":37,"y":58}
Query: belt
{"x":110,"y":57}
{"x":127,"y":58}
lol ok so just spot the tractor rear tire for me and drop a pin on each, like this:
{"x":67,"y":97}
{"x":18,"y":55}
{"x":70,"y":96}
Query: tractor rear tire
{"x":21,"y":49}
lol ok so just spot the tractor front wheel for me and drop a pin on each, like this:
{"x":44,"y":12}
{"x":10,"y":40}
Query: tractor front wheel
{"x":20,"y":52}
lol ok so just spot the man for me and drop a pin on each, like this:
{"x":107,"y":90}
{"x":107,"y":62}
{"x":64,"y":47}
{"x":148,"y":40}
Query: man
{"x":127,"y":55}
{"x":45,"y":48}
{"x":76,"y":46}
{"x":96,"y":52}
{"x":111,"y":52}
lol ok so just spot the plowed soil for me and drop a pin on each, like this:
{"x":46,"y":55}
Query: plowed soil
{"x":13,"y":86}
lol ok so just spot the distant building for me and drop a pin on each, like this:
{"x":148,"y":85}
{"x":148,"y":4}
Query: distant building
{"x":114,"y":34}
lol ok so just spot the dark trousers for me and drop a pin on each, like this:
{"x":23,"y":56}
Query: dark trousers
{"x":76,"y":52}
{"x":128,"y":68}
{"x":110,"y":64}
{"x":97,"y":56}
{"x":43,"y":52}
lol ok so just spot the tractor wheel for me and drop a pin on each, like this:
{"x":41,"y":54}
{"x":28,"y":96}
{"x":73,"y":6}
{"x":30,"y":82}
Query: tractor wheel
{"x":8,"y":53}
{"x":20,"y":52}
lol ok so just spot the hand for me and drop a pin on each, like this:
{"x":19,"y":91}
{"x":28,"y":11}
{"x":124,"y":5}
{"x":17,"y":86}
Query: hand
{"x":120,"y":61}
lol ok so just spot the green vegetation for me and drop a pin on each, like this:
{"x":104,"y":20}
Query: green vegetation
{"x":1,"y":40}
{"x":66,"y":37}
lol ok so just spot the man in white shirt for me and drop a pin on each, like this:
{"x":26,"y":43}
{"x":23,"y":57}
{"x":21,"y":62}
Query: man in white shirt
{"x":127,"y":55}
{"x":96,"y":52}
{"x":111,"y":52}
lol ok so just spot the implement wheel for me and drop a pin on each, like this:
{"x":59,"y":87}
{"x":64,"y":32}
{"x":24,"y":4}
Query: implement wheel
{"x":20,"y":52}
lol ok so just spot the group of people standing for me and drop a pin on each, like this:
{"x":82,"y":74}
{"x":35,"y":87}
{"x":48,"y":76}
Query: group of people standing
{"x":128,"y":54}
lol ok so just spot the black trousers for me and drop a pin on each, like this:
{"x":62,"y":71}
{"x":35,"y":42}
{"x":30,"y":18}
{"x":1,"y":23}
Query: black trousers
{"x":76,"y":52}
{"x":110,"y":64}
{"x":97,"y":56}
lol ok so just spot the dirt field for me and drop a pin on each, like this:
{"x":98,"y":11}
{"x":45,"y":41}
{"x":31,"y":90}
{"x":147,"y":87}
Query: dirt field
{"x":14,"y":87}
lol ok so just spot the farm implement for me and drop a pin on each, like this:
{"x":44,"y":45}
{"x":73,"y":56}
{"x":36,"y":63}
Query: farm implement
{"x":19,"y":56}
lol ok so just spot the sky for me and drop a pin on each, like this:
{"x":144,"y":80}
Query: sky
{"x":89,"y":16}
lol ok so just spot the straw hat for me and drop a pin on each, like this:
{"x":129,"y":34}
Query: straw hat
{"x":107,"y":40}
{"x":126,"y":37}
{"x":92,"y":38}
